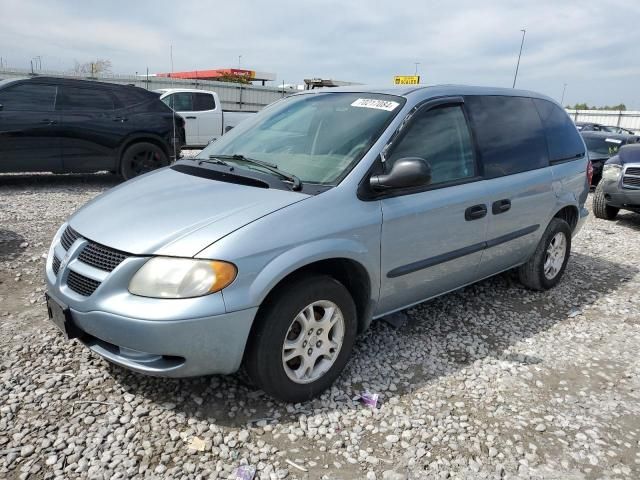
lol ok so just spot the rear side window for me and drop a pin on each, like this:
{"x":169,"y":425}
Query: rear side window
{"x":509,"y":133}
{"x":29,"y":97}
{"x":440,"y":136}
{"x":84,"y":99}
{"x":563,"y":140}
{"x":132,"y":96}
{"x":203,"y":101}
{"x":180,"y":102}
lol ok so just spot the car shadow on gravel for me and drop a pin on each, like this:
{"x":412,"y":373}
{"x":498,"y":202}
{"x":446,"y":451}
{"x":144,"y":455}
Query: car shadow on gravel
{"x":629,"y":220}
{"x":40,"y":180}
{"x":442,"y":336}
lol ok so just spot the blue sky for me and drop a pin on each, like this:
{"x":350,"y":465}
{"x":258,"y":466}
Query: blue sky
{"x":593,"y":46}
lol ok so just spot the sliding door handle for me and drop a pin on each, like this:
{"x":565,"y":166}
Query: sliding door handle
{"x":500,"y":206}
{"x":475,"y":212}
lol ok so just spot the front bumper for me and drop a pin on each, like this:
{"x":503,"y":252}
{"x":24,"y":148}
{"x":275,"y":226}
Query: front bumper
{"x":165,"y":337}
{"x":180,"y":348}
{"x":618,"y":196}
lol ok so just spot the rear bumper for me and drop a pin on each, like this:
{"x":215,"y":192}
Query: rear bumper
{"x":584,"y":213}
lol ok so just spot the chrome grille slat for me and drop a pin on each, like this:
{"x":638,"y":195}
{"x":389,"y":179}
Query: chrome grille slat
{"x":68,"y":237}
{"x":101,"y":257}
{"x":55,"y":264}
{"x":632,"y":171}
{"x":85,"y":286}
{"x":633,"y":182}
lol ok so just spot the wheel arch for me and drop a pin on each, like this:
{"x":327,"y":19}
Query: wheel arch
{"x":351,"y":273}
{"x":139,"y":138}
{"x":570,"y":214}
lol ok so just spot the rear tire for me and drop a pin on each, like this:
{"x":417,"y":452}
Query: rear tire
{"x":141,"y":158}
{"x":309,"y":313}
{"x":548,"y":263}
{"x":600,"y":207}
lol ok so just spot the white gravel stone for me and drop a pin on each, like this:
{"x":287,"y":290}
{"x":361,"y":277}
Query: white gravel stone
{"x":492,"y":381}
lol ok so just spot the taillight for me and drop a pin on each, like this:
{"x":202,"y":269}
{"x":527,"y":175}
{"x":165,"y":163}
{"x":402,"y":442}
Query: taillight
{"x":589,"y":172}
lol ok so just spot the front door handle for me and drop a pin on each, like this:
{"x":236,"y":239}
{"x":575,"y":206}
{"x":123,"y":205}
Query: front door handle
{"x":48,"y":121}
{"x":500,"y":206}
{"x":190,"y":118}
{"x":120,"y":119}
{"x":475,"y":212}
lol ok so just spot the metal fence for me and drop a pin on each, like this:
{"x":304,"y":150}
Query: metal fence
{"x":234,"y":96}
{"x":627,"y":119}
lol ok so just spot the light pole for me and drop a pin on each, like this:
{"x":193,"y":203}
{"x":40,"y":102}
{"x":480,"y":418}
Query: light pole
{"x":524,"y":32}
{"x":239,"y":61}
{"x":564,"y":89}
{"x":416,"y":64}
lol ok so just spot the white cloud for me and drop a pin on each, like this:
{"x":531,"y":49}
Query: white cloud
{"x":589,"y":44}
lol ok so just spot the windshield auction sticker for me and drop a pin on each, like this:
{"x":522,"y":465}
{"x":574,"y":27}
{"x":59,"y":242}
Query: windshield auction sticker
{"x":387,"y":105}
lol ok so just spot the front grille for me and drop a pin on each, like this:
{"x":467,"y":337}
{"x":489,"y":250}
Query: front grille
{"x":68,"y":237}
{"x":80,"y":284}
{"x":55,"y":264}
{"x":631,"y":182}
{"x":101,"y":257}
{"x":633,"y":171}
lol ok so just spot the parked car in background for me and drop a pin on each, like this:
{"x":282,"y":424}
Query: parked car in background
{"x":285,"y":238}
{"x":620,"y":185}
{"x":62,"y":125}
{"x":202,"y":110}
{"x":602,"y":146}
{"x":598,"y":127}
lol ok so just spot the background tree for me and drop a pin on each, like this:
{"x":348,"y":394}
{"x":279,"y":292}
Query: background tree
{"x":99,"y":66}
{"x":234,"y":78}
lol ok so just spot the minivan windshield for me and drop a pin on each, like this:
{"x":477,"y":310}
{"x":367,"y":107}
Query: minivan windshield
{"x":603,"y":146}
{"x":316,"y":137}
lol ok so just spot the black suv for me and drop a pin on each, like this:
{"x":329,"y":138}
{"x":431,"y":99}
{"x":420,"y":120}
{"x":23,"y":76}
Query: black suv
{"x":63,"y":125}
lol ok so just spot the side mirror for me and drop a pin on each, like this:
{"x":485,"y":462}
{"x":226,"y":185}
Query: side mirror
{"x":405,"y":173}
{"x":227,"y":128}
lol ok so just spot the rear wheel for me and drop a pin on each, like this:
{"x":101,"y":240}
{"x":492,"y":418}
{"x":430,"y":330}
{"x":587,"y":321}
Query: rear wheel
{"x":141,"y":158}
{"x":545,"y":268}
{"x":303,"y":339}
{"x":600,"y":207}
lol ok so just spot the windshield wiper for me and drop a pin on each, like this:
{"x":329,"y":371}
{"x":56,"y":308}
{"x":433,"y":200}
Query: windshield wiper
{"x":290,"y":177}
{"x":214,"y":159}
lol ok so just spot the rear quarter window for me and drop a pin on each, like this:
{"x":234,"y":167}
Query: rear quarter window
{"x":509,"y":133}
{"x":563,"y":140}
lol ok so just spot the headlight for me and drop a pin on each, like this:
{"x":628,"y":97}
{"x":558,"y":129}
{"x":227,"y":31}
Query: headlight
{"x":168,"y":277}
{"x":611,"y":171}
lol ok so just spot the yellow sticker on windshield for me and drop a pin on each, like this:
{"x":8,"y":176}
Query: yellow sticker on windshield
{"x":387,"y":105}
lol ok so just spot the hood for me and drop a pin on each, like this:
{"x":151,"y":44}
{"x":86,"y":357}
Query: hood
{"x":171,"y":213}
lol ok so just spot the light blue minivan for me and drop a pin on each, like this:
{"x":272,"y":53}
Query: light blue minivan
{"x":285,"y":238}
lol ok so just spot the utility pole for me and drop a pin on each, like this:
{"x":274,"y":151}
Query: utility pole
{"x":416,"y":64}
{"x":564,"y":89}
{"x":524,"y":32}
{"x":239,"y":61}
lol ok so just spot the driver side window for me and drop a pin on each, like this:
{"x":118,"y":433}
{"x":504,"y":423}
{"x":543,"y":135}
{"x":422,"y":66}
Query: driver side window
{"x":441,"y":137}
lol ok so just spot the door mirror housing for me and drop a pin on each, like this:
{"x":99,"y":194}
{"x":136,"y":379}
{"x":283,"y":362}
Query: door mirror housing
{"x":407,"y":172}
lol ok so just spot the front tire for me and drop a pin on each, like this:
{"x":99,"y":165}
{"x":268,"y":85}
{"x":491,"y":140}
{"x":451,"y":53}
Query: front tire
{"x":141,"y":158}
{"x":600,"y":207}
{"x":548,"y":263}
{"x":303,"y":339}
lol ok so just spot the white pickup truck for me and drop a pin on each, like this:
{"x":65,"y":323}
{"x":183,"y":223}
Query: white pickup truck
{"x":204,"y":118}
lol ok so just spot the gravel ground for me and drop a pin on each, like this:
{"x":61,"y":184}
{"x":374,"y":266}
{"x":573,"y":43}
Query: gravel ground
{"x":492,"y":381}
